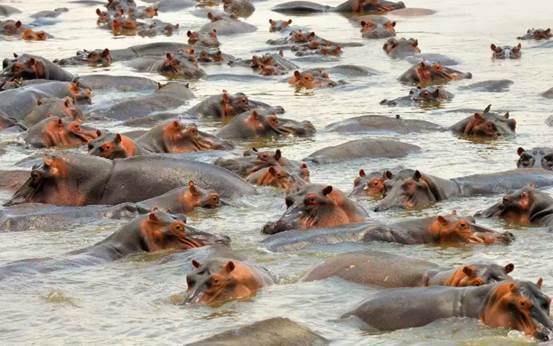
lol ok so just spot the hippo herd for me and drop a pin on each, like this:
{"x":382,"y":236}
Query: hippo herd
{"x":152,"y":178}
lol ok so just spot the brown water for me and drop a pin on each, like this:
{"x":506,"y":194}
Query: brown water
{"x":129,"y":301}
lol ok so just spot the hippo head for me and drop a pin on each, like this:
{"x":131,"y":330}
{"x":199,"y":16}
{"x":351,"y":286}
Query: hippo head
{"x":171,"y":66}
{"x":479,"y":274}
{"x":329,"y":49}
{"x":453,"y":229}
{"x":309,"y":80}
{"x":519,"y":305}
{"x":197,"y":197}
{"x":487,"y":125}
{"x":180,"y":138}
{"x":276,"y":176}
{"x":31,"y":68}
{"x":103,"y":17}
{"x":234,"y":104}
{"x":318,"y":208}
{"x":11,"y":27}
{"x":209,"y":40}
{"x":425,"y":73}
{"x":506,"y":52}
{"x":55,"y":132}
{"x":30,"y":35}
{"x":298,"y":36}
{"x":374,"y":29}
{"x":207,"y":56}
{"x":371,"y":185}
{"x":401,"y":47}
{"x":80,"y":94}
{"x":537,"y":34}
{"x":97,"y":57}
{"x":112,"y":146}
{"x":218,"y":281}
{"x":416,"y":192}
{"x":150,"y":12}
{"x":428,"y":94}
{"x":279,"y":25}
{"x":537,"y":157}
{"x":267,"y":125}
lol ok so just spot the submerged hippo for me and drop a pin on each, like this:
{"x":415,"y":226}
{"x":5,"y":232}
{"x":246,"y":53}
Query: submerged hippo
{"x":279,"y":177}
{"x":494,"y":86}
{"x":97,"y":57}
{"x":52,"y":107}
{"x":401,"y":48}
{"x":279,"y":25}
{"x":33,"y":67}
{"x":114,"y":146}
{"x":227,"y":25}
{"x":317,"y":206}
{"x":536,"y":34}
{"x":6,"y":10}
{"x":526,"y":206}
{"x":156,"y":231}
{"x":376,"y":268}
{"x":269,"y":64}
{"x":421,"y":190}
{"x":310,"y":80}
{"x":221,"y":280}
{"x":238,"y":8}
{"x":59,"y":133}
{"x":377,"y":27}
{"x":75,"y":179}
{"x":377,"y":184}
{"x":202,"y":39}
{"x":254,"y":160}
{"x":518,"y":305}
{"x":228,"y":105}
{"x":254,"y":124}
{"x":541,"y":157}
{"x":350,"y":6}
{"x":506,"y":52}
{"x":429,"y":96}
{"x":425,"y":73}
{"x":173,"y":66}
{"x":380,"y":123}
{"x":362,"y":148}
{"x":486,"y":124}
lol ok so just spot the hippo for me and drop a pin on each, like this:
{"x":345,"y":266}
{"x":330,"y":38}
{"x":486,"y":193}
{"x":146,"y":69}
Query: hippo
{"x":76,"y":179}
{"x":97,"y":57}
{"x":540,"y":157}
{"x":228,"y":105}
{"x":254,"y":124}
{"x":57,"y":132}
{"x":315,"y":47}
{"x":362,"y":148}
{"x":429,"y":96}
{"x":221,"y":280}
{"x":536,"y":34}
{"x":114,"y":146}
{"x":382,"y":269}
{"x":227,"y":25}
{"x":34,"y":67}
{"x":52,"y":106}
{"x":316,"y":206}
{"x":506,"y":52}
{"x":279,"y":177}
{"x":377,"y":27}
{"x":381,"y":123}
{"x":421,"y":190}
{"x":377,"y":184}
{"x":279,"y":25}
{"x":254,"y":160}
{"x":495,"y":86}
{"x":309,"y":80}
{"x":166,"y":97}
{"x":11,"y":27}
{"x":158,"y":27}
{"x":175,"y":137}
{"x":6,"y":121}
{"x":50,"y":13}
{"x":106,"y":83}
{"x":238,"y":8}
{"x":518,"y":305}
{"x":350,"y":6}
{"x":7,"y":11}
{"x":269,"y":64}
{"x":173,"y":66}
{"x":31,"y":35}
{"x":548,"y":93}
{"x":526,"y":206}
{"x":203,"y":39}
{"x":155,"y":231}
{"x":272,"y":332}
{"x":425,"y":73}
{"x":156,"y":49}
{"x":485,"y":125}
{"x":399,"y":49}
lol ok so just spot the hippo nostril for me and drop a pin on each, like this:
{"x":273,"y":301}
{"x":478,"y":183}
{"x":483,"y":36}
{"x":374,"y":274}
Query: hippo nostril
{"x":376,"y":209}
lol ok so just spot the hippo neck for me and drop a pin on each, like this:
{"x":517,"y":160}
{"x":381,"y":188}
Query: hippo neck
{"x":123,"y":242}
{"x":441,"y":188}
{"x":472,"y":300}
{"x":542,"y":208}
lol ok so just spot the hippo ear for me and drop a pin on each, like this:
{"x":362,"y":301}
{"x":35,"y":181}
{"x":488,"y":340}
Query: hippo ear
{"x":442,"y":220}
{"x":254,"y":149}
{"x":176,"y":124}
{"x":188,"y":33}
{"x":417,"y":175}
{"x":362,"y":173}
{"x":278,"y":154}
{"x":98,"y":133}
{"x":289,"y":201}
{"x":509,"y":268}
{"x":520,"y":151}
{"x":297,"y":75}
{"x":39,"y":101}
{"x":519,"y":46}
{"x":98,"y":12}
{"x":105,"y":52}
{"x":469,"y":271}
{"x":477,"y":116}
{"x":506,"y":115}
{"x":290,"y":22}
{"x":493,"y":47}
{"x":192,"y":187}
{"x":437,"y":92}
{"x":487,"y":109}
{"x":196,"y":264}
{"x":539,"y":283}
{"x":327,"y":190}
{"x":117,"y":139}
{"x":270,"y":21}
{"x":153,"y":217}
{"x":59,"y":122}
{"x":229,"y":267}
{"x":415,"y":43}
{"x":273,"y":171}
{"x":254,"y":116}
{"x":387,"y":175}
{"x":363,"y":23}
{"x":65,"y":103}
{"x":393,"y":24}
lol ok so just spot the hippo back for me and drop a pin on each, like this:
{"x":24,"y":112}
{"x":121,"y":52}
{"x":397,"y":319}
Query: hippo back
{"x":503,"y":182}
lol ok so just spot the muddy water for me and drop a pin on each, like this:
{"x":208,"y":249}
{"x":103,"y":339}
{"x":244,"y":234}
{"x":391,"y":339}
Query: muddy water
{"x":130,"y":301}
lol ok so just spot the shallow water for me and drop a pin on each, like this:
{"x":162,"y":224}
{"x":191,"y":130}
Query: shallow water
{"x":129,"y":301}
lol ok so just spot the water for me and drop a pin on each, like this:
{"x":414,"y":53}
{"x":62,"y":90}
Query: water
{"x":130,"y":301}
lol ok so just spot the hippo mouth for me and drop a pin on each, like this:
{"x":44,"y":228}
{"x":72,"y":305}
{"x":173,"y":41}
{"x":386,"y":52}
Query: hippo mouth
{"x":29,"y":189}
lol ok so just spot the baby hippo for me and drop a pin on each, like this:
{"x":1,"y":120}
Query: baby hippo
{"x":310,"y":80}
{"x":279,"y":25}
{"x":221,"y":280}
{"x":506,"y":52}
{"x":317,"y":206}
{"x":56,"y":132}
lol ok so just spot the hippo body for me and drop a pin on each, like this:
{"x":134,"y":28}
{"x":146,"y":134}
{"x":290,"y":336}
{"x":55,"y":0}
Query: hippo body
{"x":375,"y":268}
{"x":362,"y":148}
{"x":7,"y":11}
{"x":494,"y":86}
{"x":350,"y":6}
{"x":157,"y":49}
{"x":379,"y":123}
{"x":414,"y":307}
{"x":272,"y":332}
{"x":228,"y":26}
{"x":93,"y":180}
{"x":119,"y":83}
{"x":52,"y":106}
